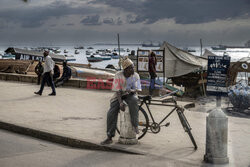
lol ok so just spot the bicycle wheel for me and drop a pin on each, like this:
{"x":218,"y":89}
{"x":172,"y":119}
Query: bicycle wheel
{"x":186,"y":127}
{"x":143,"y":123}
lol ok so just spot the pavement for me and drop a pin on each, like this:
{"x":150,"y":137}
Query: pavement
{"x":77,"y":117}
{"x":24,"y":151}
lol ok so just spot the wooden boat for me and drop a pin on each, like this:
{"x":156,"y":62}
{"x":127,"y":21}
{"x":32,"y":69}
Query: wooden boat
{"x":77,"y":52}
{"x":114,"y":56}
{"x":88,"y":52}
{"x":79,"y":47}
{"x":94,"y":58}
{"x":106,"y":58}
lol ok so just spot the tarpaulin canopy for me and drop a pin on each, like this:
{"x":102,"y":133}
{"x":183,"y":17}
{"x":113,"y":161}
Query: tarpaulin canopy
{"x":179,"y":62}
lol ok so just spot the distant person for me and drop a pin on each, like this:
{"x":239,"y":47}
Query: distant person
{"x":39,"y":71}
{"x":152,"y":71}
{"x":56,"y":72}
{"x":47,"y":74}
{"x":125,"y":84}
{"x":65,"y":76}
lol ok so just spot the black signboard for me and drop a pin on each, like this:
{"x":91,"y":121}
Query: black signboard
{"x":217,"y":74}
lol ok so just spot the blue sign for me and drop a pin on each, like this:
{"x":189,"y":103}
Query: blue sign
{"x":217,"y":74}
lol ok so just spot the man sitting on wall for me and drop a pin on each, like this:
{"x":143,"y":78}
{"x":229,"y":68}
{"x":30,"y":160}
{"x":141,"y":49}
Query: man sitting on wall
{"x":125,"y":84}
{"x":65,"y":76}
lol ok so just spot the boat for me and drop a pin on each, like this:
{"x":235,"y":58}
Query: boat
{"x":189,"y":50}
{"x":106,"y":58}
{"x":8,"y":56}
{"x":70,"y":58}
{"x":66,"y":51}
{"x":117,"y":50}
{"x":114,"y":55}
{"x":128,"y":50}
{"x":88,"y":52}
{"x":90,"y":48}
{"x":79,"y":47}
{"x":77,"y":52}
{"x":224,"y":47}
{"x":220,"y":47}
{"x":56,"y":51}
{"x":94,"y":58}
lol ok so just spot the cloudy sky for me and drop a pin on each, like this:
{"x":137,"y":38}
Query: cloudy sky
{"x":180,"y":22}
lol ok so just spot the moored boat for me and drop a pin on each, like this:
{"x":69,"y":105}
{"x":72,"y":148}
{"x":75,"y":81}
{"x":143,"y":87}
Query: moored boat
{"x":94,"y":58}
{"x":77,"y":52}
{"x":220,"y":47}
{"x":115,"y":56}
{"x":88,"y":52}
{"x":79,"y":47}
{"x":8,"y":56}
{"x":106,"y":58}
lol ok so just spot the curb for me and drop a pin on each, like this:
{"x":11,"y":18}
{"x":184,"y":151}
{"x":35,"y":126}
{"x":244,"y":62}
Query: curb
{"x":63,"y":140}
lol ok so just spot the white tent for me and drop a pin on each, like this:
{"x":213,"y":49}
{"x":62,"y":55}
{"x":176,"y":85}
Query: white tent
{"x":179,"y":62}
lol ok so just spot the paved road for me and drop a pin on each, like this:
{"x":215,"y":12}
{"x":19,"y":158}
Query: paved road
{"x":22,"y":151}
{"x":81,"y":114}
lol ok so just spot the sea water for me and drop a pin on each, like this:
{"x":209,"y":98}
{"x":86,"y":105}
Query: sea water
{"x":81,"y":58}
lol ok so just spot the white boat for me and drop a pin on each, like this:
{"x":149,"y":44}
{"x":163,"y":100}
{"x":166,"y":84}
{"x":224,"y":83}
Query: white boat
{"x":66,"y":51}
{"x":8,"y":56}
{"x":88,"y":52}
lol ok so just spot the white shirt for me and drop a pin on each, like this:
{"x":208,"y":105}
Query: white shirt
{"x":49,"y":64}
{"x":120,"y":82}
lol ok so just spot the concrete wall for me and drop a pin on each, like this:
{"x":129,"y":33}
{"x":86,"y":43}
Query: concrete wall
{"x":73,"y":82}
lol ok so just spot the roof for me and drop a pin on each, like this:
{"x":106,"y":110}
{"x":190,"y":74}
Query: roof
{"x":179,"y":62}
{"x":35,"y":53}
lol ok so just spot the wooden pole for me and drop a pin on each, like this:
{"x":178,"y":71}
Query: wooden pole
{"x":201,"y":46}
{"x":119,"y":50}
{"x":203,"y":84}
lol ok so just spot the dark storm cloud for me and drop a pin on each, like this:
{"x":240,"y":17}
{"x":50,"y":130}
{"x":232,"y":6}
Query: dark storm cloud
{"x":182,"y":11}
{"x":109,"y":21}
{"x":70,"y":24}
{"x":34,"y":17}
{"x":91,"y":20}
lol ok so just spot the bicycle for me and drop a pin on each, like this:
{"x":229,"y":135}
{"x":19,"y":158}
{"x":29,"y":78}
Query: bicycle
{"x":144,"y":124}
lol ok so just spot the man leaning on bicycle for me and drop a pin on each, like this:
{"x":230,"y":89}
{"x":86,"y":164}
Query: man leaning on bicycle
{"x":125,"y":84}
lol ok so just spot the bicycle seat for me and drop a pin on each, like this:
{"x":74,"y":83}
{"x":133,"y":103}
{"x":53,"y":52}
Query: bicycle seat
{"x":144,"y":98}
